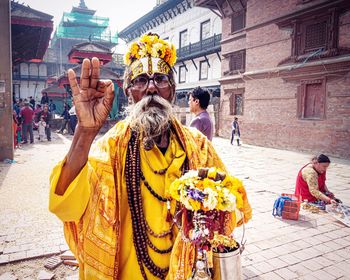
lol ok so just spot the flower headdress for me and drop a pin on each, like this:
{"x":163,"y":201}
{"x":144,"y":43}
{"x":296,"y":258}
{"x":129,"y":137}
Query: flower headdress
{"x":151,"y":45}
{"x":149,"y":55}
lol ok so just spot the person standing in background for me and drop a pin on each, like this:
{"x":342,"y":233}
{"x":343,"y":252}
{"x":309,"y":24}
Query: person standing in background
{"x":72,"y":119}
{"x":27,"y":115}
{"x":52,"y":108}
{"x":44,"y":99}
{"x":198,"y":102}
{"x":236,"y":133}
{"x":32,"y":102}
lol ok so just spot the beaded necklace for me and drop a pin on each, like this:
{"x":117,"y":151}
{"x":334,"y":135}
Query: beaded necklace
{"x":160,"y":171}
{"x":139,"y":224}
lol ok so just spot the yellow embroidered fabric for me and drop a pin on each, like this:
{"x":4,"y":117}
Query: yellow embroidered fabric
{"x":96,"y":215}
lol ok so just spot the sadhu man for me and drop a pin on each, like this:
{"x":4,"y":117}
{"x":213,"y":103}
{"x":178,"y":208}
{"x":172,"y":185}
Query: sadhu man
{"x":112,"y":195}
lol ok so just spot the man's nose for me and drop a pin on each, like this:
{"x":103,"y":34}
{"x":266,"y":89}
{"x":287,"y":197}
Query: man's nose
{"x":151,"y":89}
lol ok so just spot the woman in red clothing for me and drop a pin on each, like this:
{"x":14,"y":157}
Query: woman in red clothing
{"x":311,"y":181}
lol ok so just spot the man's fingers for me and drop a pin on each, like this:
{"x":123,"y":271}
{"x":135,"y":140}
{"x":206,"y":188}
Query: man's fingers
{"x":73,"y":82}
{"x":95,"y":72}
{"x":109,"y":93}
{"x":102,"y":85}
{"x":85,"y":74}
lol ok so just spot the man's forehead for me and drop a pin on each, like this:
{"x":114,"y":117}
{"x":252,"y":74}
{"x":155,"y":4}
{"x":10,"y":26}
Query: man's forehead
{"x":148,"y":65}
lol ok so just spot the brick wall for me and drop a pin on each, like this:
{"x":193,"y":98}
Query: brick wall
{"x":270,"y":115}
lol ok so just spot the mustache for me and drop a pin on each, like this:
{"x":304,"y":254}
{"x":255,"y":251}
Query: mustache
{"x":151,"y":101}
{"x":151,"y":115}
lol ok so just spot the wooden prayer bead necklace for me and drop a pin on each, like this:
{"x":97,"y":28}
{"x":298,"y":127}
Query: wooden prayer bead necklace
{"x":139,"y":225}
{"x":151,"y":190}
{"x":160,"y":171}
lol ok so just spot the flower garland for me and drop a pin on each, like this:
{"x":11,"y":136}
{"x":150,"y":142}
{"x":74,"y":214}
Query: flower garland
{"x":151,"y":45}
{"x":213,"y":190}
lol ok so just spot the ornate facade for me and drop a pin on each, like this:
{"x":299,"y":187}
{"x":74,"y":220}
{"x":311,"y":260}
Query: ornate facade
{"x":286,"y":73}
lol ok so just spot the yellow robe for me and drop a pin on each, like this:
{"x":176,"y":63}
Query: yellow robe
{"x":95,"y":211}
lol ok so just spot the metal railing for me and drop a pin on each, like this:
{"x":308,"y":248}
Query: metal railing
{"x":206,"y":46}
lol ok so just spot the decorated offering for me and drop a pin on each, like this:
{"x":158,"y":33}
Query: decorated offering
{"x":208,"y":197}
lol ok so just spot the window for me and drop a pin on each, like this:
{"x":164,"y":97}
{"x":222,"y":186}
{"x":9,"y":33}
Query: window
{"x":236,"y":102}
{"x":183,"y":39}
{"x":205,"y":30}
{"x":16,"y":90}
{"x":203,"y":70}
{"x":182,"y":74}
{"x":237,"y":61}
{"x":313,"y":36}
{"x":312,"y":98}
{"x":238,"y":21}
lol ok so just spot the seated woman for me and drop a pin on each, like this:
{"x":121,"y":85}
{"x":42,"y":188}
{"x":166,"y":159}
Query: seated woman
{"x":311,"y":181}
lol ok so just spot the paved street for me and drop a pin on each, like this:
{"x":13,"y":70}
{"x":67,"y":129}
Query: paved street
{"x":315,"y":247}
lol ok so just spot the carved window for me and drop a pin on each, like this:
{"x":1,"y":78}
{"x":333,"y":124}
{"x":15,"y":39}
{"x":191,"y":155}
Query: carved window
{"x":182,"y":74}
{"x":312,"y":99}
{"x":315,"y":34}
{"x":316,"y":37}
{"x":313,"y":37}
{"x":236,"y":102}
{"x":203,"y":70}
{"x":238,"y":21}
{"x":237,"y":61}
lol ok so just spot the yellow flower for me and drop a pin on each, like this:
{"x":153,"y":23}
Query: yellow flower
{"x":151,"y":45}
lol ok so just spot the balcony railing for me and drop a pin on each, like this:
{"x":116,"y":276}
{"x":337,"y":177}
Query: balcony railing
{"x":16,"y":76}
{"x":206,"y":46}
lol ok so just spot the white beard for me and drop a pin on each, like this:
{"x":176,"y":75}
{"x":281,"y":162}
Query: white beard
{"x":151,"y":115}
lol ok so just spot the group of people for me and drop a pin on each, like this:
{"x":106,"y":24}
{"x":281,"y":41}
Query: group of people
{"x":113,"y":195}
{"x":28,"y":116}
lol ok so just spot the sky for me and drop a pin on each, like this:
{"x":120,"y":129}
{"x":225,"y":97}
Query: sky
{"x":120,"y":13}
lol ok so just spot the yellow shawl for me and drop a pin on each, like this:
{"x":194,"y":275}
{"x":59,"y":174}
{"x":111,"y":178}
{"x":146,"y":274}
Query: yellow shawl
{"x":92,"y":229}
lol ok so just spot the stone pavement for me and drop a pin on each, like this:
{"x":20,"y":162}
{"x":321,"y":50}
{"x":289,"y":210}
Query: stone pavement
{"x":314,"y":247}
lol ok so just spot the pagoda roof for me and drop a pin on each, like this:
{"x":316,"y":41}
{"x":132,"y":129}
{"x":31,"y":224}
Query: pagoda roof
{"x":91,"y":47}
{"x":54,"y":91}
{"x":30,"y":32}
{"x":90,"y":50}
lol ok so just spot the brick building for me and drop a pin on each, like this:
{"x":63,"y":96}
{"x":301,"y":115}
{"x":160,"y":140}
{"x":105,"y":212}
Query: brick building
{"x":285,"y":72}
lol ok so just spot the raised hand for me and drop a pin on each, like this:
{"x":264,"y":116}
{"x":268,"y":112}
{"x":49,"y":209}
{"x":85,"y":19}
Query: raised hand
{"x":93,"y":99}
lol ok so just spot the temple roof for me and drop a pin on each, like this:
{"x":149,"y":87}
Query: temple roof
{"x":30,"y":32}
{"x":90,"y":50}
{"x":91,"y":47}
